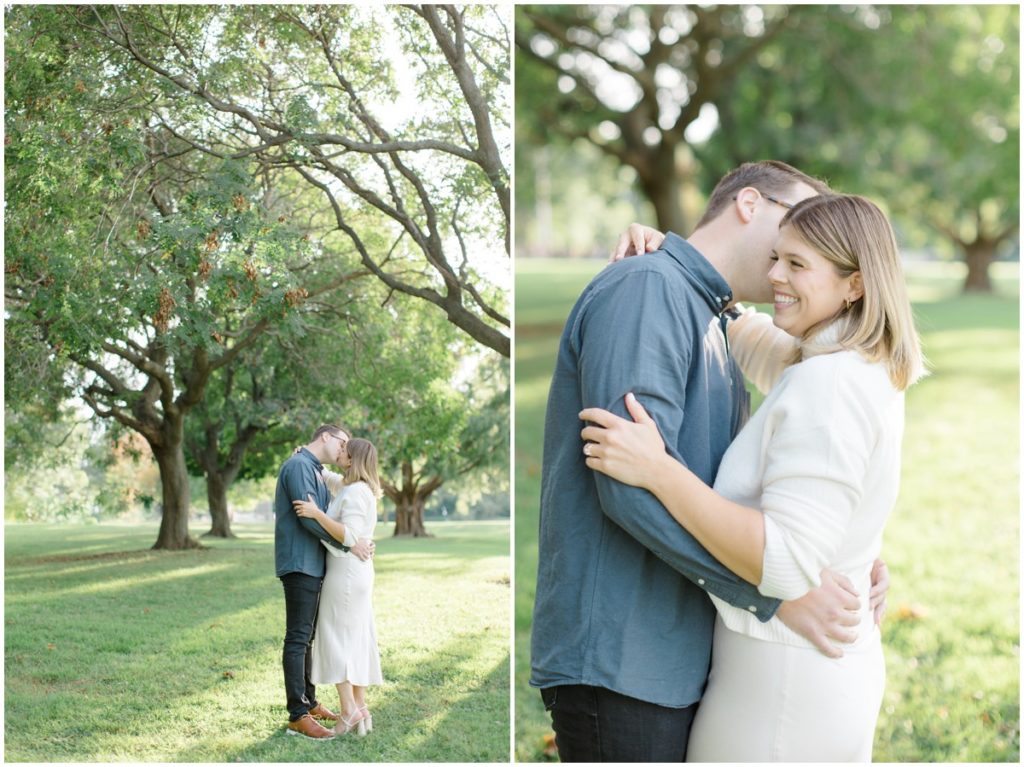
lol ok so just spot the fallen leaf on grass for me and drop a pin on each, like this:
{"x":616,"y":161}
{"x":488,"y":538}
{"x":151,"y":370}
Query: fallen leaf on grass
{"x":51,"y":646}
{"x":550,"y":749}
{"x":229,"y":674}
{"x":907,"y":612}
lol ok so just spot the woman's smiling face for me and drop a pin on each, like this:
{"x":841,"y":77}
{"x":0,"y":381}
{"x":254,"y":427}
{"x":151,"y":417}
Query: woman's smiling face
{"x":808,"y":288}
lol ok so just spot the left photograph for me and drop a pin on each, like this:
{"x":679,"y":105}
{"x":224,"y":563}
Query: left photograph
{"x":256,"y":383}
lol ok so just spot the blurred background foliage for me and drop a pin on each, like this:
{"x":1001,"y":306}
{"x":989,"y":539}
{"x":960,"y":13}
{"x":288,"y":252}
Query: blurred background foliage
{"x":634,"y":112}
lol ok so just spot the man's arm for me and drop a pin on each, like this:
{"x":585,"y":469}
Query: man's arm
{"x":634,"y":336}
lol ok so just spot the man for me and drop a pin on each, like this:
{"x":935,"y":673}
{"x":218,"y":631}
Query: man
{"x":300,"y":562}
{"x":622,"y":626}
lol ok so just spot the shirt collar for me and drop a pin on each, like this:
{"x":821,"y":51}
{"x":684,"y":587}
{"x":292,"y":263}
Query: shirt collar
{"x":711,"y":285}
{"x":316,"y":461}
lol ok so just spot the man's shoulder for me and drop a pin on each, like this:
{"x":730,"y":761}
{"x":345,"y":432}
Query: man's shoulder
{"x":655,"y":272}
{"x":296,"y":463}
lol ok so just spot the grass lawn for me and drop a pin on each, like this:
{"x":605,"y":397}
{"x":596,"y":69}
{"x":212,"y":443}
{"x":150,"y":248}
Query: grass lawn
{"x":952,"y":633}
{"x":114,"y":652}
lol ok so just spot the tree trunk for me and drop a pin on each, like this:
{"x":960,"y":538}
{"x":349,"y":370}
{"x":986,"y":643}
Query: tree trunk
{"x":409,"y":519}
{"x":979,"y":254}
{"x":661,"y":183}
{"x":410,"y":500}
{"x":173,"y":535}
{"x":217,"y":498}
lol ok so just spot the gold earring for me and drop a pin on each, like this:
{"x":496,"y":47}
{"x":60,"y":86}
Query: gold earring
{"x":849,"y":303}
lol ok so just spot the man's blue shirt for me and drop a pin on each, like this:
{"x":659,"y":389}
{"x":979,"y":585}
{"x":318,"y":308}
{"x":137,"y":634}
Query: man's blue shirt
{"x":621,"y":600}
{"x":297,"y":539}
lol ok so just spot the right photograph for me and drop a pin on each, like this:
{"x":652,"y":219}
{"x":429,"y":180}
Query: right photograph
{"x":767,"y":422}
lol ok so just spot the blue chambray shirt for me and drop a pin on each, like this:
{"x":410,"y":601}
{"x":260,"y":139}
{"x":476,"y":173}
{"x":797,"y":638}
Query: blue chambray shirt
{"x":621,"y":600}
{"x":297,"y":539}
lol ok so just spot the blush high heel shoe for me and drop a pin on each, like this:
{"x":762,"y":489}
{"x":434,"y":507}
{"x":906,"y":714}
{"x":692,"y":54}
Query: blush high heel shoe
{"x":345,"y":724}
{"x":367,"y":719}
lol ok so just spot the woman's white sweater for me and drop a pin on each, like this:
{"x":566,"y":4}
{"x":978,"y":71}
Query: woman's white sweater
{"x":820,"y":458}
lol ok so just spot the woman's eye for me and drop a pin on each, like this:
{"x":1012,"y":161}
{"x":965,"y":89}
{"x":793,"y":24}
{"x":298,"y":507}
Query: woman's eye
{"x":773,"y":257}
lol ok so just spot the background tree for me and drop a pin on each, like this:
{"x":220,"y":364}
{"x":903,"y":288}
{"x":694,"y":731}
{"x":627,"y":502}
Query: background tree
{"x":435,"y":411}
{"x":710,"y":88}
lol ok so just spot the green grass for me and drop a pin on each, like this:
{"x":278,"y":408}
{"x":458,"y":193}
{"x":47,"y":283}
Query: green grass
{"x":952,"y":633}
{"x":114,"y":652}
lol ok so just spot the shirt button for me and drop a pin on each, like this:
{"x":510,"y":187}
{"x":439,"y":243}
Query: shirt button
{"x":752,"y":609}
{"x":700,"y":581}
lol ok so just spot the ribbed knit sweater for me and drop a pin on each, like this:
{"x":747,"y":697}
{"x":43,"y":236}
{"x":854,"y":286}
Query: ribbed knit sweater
{"x":820,"y":458}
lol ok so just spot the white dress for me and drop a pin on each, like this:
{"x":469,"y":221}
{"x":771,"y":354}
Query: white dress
{"x":821,"y":459}
{"x":345,"y":643}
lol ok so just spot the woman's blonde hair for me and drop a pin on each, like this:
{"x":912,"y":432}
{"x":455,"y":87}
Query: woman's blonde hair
{"x":364,"y":465}
{"x":852,"y":233}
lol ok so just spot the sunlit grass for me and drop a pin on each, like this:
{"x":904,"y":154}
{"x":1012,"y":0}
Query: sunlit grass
{"x":157,"y":656}
{"x":952,"y":635}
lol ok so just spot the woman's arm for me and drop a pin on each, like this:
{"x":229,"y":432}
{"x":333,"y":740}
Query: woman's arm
{"x":309,"y":509}
{"x":732,"y":533}
{"x":762,"y":350}
{"x":333,"y":481}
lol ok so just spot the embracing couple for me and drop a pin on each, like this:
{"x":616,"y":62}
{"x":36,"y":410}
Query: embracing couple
{"x":709,"y":587}
{"x":323,"y":550}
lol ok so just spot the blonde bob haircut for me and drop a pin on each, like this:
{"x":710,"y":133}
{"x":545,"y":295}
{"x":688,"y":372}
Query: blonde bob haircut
{"x":852,"y":233}
{"x":364,"y":465}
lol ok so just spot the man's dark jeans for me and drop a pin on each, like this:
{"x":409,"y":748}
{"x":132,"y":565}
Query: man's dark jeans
{"x":301,"y":599}
{"x":593,"y":724}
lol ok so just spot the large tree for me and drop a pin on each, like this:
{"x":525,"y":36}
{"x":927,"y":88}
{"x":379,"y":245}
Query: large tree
{"x":141,"y":265}
{"x":325,"y":92}
{"x":631,"y":80}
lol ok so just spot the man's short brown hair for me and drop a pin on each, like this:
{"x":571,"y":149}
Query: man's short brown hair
{"x":328,"y":428}
{"x":768,"y":177}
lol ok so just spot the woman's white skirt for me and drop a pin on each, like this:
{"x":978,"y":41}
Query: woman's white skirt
{"x":772,"y":702}
{"x":345,"y":643}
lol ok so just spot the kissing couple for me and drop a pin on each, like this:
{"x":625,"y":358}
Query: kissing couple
{"x":709,"y":587}
{"x":323,"y":551}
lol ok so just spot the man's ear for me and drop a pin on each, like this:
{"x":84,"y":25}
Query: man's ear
{"x":746,"y":202}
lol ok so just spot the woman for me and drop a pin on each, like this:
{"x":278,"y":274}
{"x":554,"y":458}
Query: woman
{"x":807,"y":484}
{"x":345,"y":651}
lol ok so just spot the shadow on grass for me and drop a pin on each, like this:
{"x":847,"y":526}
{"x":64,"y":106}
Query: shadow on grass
{"x":431,"y":714}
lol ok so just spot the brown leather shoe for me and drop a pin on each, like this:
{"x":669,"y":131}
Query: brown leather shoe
{"x":309,"y":727}
{"x":320,"y":711}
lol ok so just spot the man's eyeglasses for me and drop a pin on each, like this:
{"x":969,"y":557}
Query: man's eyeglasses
{"x":777,"y":201}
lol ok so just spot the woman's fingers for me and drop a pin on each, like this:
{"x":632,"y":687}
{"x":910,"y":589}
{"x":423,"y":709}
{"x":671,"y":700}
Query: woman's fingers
{"x":636,"y":410}
{"x":600,"y":417}
{"x":594,"y":434}
{"x":621,"y":247}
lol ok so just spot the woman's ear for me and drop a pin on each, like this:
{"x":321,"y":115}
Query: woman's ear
{"x":856,"y":287}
